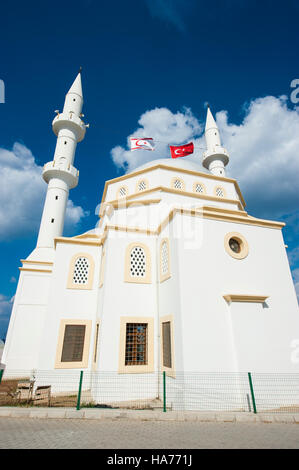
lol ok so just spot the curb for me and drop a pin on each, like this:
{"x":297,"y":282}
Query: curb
{"x":148,"y":415}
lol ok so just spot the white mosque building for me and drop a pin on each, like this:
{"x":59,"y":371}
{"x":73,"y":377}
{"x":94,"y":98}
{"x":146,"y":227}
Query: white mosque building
{"x":176,"y":277}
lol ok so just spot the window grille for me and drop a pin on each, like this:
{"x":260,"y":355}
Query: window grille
{"x":166,"y":338}
{"x":164,"y":258}
{"x":137,"y":262}
{"x":178,"y":184}
{"x":142,"y":185}
{"x":81,"y":271}
{"x":219,"y":192}
{"x":199,"y":188}
{"x":122,"y":191}
{"x":136,"y":344}
{"x":73,"y":343}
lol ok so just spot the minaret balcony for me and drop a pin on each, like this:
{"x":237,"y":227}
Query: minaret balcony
{"x":216,"y":153}
{"x":60,"y":170}
{"x":69,"y":121}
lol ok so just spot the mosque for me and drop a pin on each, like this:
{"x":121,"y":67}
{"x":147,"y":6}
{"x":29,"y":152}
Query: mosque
{"x":176,"y":276}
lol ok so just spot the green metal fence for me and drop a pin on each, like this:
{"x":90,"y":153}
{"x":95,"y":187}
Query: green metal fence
{"x":198,"y":391}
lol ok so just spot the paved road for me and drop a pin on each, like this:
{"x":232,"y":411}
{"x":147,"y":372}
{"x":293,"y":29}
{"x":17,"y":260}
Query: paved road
{"x":28,"y":433}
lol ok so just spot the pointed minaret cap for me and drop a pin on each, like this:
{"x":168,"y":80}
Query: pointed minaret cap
{"x":215,"y":158}
{"x":77,"y":85}
{"x":74,"y":97}
{"x":210,"y":121}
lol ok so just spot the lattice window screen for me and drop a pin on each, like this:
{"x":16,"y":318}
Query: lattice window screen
{"x":122,"y":191}
{"x":219,"y":192}
{"x":164,"y":258}
{"x":199,"y":188}
{"x":137,"y":262}
{"x":142,"y":185}
{"x":81,"y":271}
{"x":177,"y":184}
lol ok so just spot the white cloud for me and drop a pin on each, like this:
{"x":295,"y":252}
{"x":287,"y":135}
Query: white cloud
{"x":166,"y":128}
{"x":264,"y":154}
{"x":22,"y":194}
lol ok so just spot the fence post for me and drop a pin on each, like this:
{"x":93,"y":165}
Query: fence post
{"x":164,"y":391}
{"x":79,"y":391}
{"x":252,"y":392}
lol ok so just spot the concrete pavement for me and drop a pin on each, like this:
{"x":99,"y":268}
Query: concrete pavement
{"x":147,"y":415}
{"x":125,"y":433}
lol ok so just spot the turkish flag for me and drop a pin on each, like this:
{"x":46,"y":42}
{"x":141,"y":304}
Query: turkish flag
{"x":181,"y":150}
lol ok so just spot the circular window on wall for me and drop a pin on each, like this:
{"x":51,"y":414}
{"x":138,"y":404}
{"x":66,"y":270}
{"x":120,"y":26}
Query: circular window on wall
{"x":236,"y":245}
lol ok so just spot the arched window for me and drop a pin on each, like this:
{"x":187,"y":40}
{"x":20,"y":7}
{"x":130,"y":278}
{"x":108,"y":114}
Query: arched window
{"x":138,"y":263}
{"x":81,"y":272}
{"x":122,"y":192}
{"x":199,"y":188}
{"x":219,"y":191}
{"x":177,"y":183}
{"x":142,"y":185}
{"x":164,"y":260}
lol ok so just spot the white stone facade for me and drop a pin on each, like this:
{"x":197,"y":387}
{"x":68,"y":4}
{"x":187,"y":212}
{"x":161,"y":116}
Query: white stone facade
{"x":228,"y":311}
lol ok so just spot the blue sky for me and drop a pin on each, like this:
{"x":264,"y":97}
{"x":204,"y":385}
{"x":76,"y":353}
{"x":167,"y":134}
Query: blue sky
{"x":145,"y":63}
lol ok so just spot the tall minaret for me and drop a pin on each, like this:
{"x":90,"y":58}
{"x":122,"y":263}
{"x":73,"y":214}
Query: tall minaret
{"x":60,"y":174}
{"x":215,"y":158}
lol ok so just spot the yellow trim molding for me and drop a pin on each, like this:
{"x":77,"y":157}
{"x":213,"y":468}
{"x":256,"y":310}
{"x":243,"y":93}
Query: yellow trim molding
{"x":102,"y":268}
{"x":25,"y":261}
{"x":70,"y":282}
{"x":245,"y":298}
{"x":170,"y":371}
{"x":179,"y":170}
{"x":73,"y":365}
{"x":77,"y":241}
{"x":36,"y":270}
{"x":122,"y":368}
{"x":165,"y":189}
{"x":95,"y":353}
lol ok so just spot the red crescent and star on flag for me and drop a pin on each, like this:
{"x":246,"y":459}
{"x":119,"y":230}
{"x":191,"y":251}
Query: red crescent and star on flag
{"x":181,"y":150}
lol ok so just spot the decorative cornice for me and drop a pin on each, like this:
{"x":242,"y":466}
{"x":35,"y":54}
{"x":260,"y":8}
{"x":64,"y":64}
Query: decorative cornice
{"x":25,"y":261}
{"x":121,"y":202}
{"x":179,"y":170}
{"x":77,"y":241}
{"x":36,"y":270}
{"x":245,"y":298}
{"x":208,"y":212}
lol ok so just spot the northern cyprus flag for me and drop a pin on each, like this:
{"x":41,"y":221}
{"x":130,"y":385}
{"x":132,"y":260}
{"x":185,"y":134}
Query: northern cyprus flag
{"x":146,"y":143}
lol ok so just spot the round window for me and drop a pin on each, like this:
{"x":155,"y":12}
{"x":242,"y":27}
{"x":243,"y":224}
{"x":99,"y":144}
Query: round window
{"x":236,"y":245}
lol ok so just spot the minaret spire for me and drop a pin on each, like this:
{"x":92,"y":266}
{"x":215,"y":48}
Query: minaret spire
{"x":60,"y":174}
{"x":215,"y":158}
